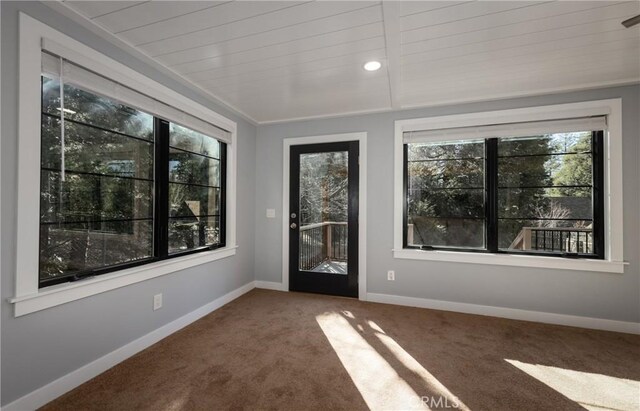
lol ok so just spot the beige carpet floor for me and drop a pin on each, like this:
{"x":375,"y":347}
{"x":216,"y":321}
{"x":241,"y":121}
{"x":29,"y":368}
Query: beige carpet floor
{"x":293,"y":351}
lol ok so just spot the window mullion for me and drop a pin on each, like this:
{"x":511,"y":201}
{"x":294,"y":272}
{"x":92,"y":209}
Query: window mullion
{"x":161,"y":214}
{"x":597,"y":148}
{"x":405,"y":194}
{"x":222,"y":218}
{"x":491,"y":198}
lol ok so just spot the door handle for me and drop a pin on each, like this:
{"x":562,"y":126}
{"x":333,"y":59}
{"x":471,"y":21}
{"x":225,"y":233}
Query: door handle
{"x":293,"y":226}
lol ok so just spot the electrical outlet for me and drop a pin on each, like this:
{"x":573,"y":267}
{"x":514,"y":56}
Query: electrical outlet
{"x":391,"y":275}
{"x":271,"y":213}
{"x":157,"y":302}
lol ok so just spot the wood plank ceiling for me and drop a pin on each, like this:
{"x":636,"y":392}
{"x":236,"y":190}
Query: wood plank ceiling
{"x":282,"y":60}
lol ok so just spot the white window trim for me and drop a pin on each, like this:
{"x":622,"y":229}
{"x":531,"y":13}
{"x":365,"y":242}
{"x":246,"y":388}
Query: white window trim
{"x":28,"y":297}
{"x":613,"y":262}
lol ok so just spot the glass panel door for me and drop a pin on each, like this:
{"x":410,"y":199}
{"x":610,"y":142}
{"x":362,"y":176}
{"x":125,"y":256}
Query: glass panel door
{"x":323,"y":218}
{"x":324,"y":198}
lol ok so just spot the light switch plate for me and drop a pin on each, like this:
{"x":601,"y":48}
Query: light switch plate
{"x":271,"y":213}
{"x":157,"y":302}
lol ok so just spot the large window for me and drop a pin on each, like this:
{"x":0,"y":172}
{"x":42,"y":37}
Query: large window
{"x":532,"y":194}
{"x":445,"y":188}
{"x":549,"y":194}
{"x":116,"y":173}
{"x":121,"y":187}
{"x":196,"y":181}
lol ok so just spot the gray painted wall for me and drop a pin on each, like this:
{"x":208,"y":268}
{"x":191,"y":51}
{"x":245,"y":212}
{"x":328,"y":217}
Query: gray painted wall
{"x":41,"y":347}
{"x":591,"y":294}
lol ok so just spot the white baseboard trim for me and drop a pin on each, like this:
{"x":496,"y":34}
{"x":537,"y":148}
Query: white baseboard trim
{"x":66,"y":383}
{"x":511,"y":313}
{"x":270,"y":285}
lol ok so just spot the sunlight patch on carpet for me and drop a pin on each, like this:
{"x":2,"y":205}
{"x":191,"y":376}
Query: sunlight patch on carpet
{"x":595,"y":392}
{"x":434,"y":386}
{"x":379,"y":384}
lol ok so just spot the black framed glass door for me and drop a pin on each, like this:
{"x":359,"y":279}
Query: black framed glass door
{"x":323,"y":218}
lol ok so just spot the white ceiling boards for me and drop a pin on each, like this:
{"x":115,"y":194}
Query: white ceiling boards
{"x":282,"y":60}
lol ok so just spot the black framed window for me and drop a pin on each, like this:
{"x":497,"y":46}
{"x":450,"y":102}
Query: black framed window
{"x":120,"y":187}
{"x":540,"y":195}
{"x":196,"y":183}
{"x":445,"y":194}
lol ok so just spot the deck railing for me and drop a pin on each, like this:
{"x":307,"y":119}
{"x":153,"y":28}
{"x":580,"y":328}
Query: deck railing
{"x":560,"y":239}
{"x":321,"y":242}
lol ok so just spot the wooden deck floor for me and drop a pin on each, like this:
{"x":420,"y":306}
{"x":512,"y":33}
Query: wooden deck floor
{"x":333,"y":267}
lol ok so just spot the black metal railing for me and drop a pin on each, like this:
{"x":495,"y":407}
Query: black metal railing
{"x":339,"y":242}
{"x":566,"y":240}
{"x":322,"y":242}
{"x":554,"y":239}
{"x":311,"y":246}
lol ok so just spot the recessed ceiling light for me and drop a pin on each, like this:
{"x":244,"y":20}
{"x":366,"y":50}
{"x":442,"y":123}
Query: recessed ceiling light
{"x":372,"y":65}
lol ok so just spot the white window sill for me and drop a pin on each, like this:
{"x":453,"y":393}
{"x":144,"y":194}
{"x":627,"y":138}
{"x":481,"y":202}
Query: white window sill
{"x":513,"y":260}
{"x":64,"y":293}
